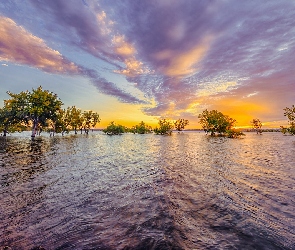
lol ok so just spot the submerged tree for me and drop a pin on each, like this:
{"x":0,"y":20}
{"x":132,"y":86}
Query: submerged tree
{"x":290,"y":114}
{"x":256,"y":124}
{"x":41,"y":109}
{"x":9,"y":120}
{"x":215,"y":122}
{"x":165,"y":127}
{"x":76,"y":119}
{"x":233,"y":133}
{"x":180,"y":124}
{"x":35,"y":107}
{"x":114,"y":129}
{"x":141,"y":128}
{"x":90,"y":119}
{"x":61,"y":123}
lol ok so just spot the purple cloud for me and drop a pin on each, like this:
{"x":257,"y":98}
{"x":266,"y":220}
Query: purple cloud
{"x":21,"y":47}
{"x":175,"y":51}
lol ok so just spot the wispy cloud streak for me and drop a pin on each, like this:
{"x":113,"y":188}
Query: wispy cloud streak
{"x":21,"y":47}
{"x":183,"y":55}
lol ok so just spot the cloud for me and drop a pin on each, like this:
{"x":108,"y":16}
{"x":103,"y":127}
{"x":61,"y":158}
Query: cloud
{"x":88,"y":28}
{"x":183,"y":55}
{"x":109,"y":88}
{"x":181,"y":63}
{"x":212,"y":49}
{"x":251,"y":94}
{"x":21,"y":47}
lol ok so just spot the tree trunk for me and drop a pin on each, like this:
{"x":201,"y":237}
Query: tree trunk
{"x":34,"y":128}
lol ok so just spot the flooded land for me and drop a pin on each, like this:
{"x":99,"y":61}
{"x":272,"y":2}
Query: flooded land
{"x":185,"y":191}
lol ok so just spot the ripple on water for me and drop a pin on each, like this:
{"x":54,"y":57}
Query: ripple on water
{"x":185,"y":191}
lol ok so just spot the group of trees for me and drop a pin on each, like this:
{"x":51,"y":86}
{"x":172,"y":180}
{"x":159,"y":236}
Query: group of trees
{"x":165,"y":127}
{"x":74,"y":119}
{"x":214,"y":122}
{"x":289,"y":113}
{"x":42,"y":110}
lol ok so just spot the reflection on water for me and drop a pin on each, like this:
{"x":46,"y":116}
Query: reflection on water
{"x":185,"y":191}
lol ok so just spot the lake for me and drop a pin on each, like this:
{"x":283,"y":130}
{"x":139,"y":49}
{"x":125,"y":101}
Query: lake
{"x":185,"y":191}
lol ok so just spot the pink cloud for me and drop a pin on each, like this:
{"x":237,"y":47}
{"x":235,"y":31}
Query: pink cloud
{"x":20,"y":46}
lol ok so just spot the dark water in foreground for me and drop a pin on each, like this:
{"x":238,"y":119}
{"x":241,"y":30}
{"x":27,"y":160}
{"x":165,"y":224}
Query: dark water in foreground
{"x":184,"y":191}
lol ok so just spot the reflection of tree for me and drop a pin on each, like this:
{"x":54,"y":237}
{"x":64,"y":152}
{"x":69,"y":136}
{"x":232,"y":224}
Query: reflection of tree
{"x":2,"y":144}
{"x":35,"y":149}
{"x":23,"y":160}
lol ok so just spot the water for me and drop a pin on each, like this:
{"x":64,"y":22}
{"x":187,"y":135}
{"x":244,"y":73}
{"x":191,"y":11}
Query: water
{"x":185,"y":191}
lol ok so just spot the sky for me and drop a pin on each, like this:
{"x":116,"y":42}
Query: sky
{"x":134,"y":61}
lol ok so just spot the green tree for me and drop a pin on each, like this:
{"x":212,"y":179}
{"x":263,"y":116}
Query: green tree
{"x":61,"y":123}
{"x":9,"y":121}
{"x":290,"y":114}
{"x":141,"y":128}
{"x":180,"y":124}
{"x":256,"y":125}
{"x":76,"y":119}
{"x":114,"y":129}
{"x":215,"y":122}
{"x":165,"y":127}
{"x":90,"y":119}
{"x":233,"y":133}
{"x":35,"y":107}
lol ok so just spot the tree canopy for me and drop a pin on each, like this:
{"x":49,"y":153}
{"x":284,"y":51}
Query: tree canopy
{"x":215,"y":122}
{"x":9,"y":121}
{"x":114,"y":129}
{"x":290,"y":114}
{"x":34,"y":107}
{"x":180,"y":124}
{"x":165,"y":127}
{"x":256,"y":125}
{"x":141,"y":128}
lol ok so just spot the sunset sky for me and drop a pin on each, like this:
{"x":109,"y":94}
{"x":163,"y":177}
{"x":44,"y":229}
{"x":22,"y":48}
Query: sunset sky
{"x":134,"y":60}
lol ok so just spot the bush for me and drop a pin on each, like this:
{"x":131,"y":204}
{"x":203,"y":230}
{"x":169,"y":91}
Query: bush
{"x":141,"y":128}
{"x":234,"y":133}
{"x":165,"y":127}
{"x":114,"y":129}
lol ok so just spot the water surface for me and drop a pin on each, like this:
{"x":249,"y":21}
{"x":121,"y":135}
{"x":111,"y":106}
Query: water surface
{"x":185,"y":191}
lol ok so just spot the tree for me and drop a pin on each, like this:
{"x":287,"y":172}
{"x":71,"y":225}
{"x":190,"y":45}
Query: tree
{"x":290,"y":114}
{"x":256,"y":124}
{"x":76,"y":119}
{"x":141,"y":128}
{"x":9,"y":121}
{"x":165,"y":127}
{"x":233,"y":133}
{"x":215,"y":122}
{"x":114,"y":129}
{"x":180,"y":124}
{"x":61,"y":122}
{"x":90,"y":119}
{"x":35,"y":107}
